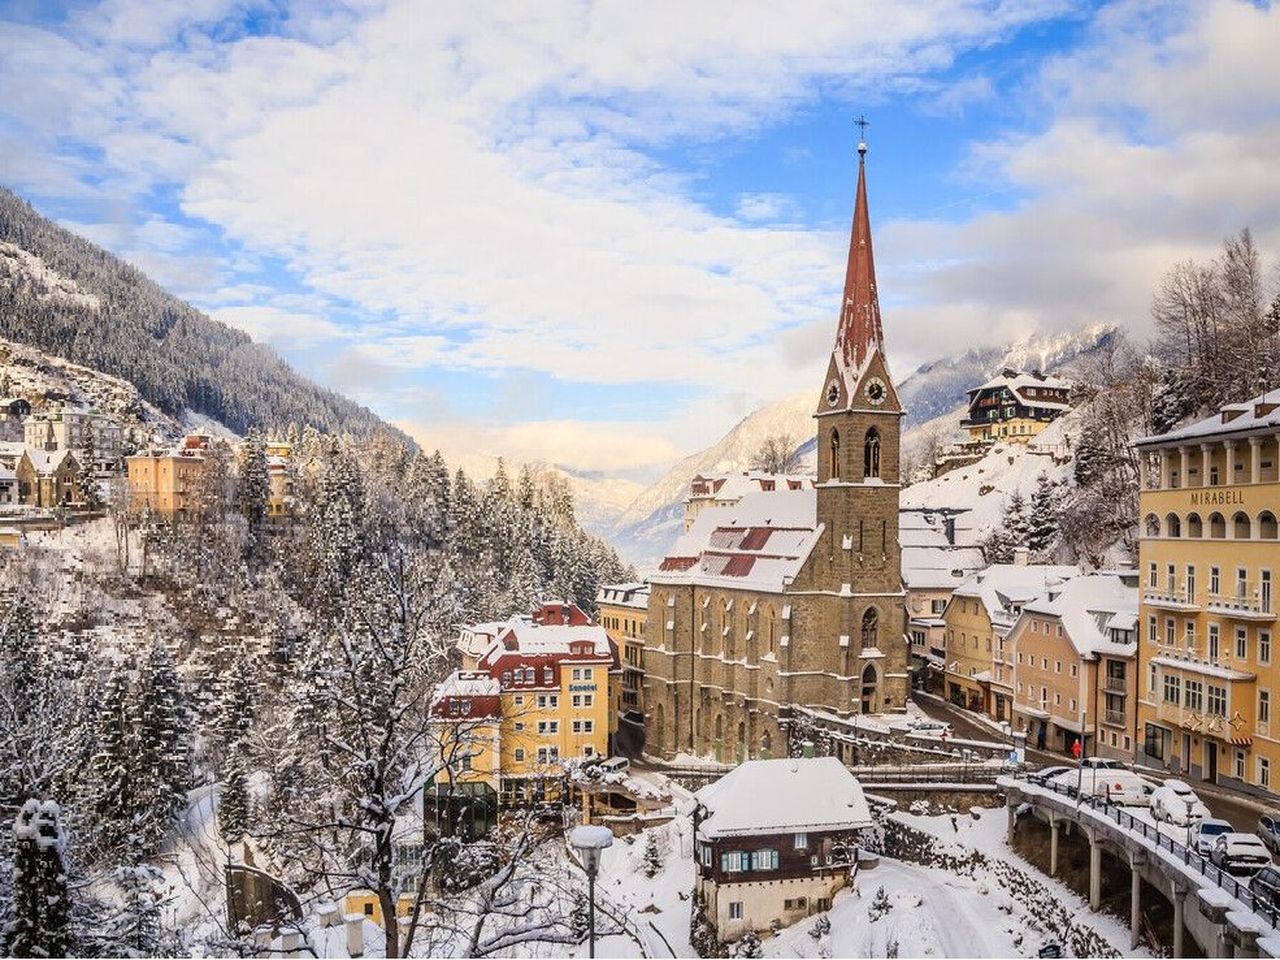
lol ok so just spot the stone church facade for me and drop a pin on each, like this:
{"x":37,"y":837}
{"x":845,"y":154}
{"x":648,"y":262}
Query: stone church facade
{"x":793,"y":599}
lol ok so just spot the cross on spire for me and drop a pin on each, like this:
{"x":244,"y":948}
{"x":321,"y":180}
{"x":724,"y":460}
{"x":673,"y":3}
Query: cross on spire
{"x":862,"y":123}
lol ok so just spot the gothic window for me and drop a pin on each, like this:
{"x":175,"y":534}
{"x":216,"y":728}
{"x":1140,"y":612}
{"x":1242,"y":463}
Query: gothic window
{"x":835,"y":454}
{"x":870,"y":621}
{"x":871,"y":454}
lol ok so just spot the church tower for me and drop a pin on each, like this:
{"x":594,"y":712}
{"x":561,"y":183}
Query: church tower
{"x":858,"y":425}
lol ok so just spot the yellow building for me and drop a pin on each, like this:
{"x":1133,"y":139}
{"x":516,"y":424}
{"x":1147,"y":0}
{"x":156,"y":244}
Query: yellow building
{"x":1015,"y":407}
{"x":556,"y":677}
{"x":1074,"y":653}
{"x":168,"y":482}
{"x":624,"y":611}
{"x":979,"y":616}
{"x":1208,"y":558}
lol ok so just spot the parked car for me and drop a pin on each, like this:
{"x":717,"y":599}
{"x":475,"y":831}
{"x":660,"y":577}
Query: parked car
{"x":1269,"y":831}
{"x":1239,"y":853}
{"x":1265,"y":887}
{"x":1101,"y":763}
{"x":1113,"y":786}
{"x":1204,"y":833}
{"x":1175,"y":802}
{"x":928,"y":727}
{"x":1045,"y":774}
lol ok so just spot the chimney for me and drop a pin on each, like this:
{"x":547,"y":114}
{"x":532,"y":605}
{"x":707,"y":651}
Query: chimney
{"x":949,"y":528}
{"x":1021,"y":556}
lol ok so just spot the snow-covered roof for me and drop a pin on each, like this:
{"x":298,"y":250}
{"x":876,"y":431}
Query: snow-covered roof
{"x":1261,"y":413}
{"x":1089,"y":608}
{"x":475,"y":639}
{"x":462,"y":683}
{"x":757,"y":543}
{"x":735,"y":486}
{"x":783,"y":796}
{"x":46,"y":461}
{"x":625,"y":594}
{"x":1004,"y":586}
{"x":533,"y":638}
{"x":1019,"y":382}
{"x":933,"y":568}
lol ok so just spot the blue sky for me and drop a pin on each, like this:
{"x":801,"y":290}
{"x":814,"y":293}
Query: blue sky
{"x":600,"y":233}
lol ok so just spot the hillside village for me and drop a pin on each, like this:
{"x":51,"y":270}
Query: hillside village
{"x":970,"y":657}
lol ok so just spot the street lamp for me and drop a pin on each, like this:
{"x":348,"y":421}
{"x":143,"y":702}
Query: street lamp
{"x":1191,"y":802}
{"x":590,"y":843}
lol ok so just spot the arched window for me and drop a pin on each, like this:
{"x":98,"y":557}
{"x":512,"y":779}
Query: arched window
{"x":1195,"y":526}
{"x":1243,"y":529}
{"x":1153,"y":525}
{"x":1172,"y":525}
{"x":871,"y":454}
{"x":870,"y":689}
{"x":766,"y":745}
{"x":1267,"y":525}
{"x":870,"y":622}
{"x":835,"y":454}
{"x":1217,"y":526}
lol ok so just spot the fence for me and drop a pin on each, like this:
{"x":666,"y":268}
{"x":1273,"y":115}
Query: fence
{"x":1263,"y":906}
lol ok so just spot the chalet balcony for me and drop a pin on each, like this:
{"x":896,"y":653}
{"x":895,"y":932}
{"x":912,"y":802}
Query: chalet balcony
{"x":1246,"y":605}
{"x":1169,"y":599}
{"x":1116,"y":685}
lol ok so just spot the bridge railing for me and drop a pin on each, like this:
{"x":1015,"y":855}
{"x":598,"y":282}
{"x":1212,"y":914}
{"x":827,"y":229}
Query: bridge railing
{"x":1263,"y":907}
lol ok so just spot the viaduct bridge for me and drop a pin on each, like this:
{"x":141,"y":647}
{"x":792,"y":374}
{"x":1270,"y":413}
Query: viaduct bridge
{"x":1216,"y":908}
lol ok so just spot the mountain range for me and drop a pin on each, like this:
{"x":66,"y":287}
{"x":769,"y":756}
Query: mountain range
{"x":933,"y":395}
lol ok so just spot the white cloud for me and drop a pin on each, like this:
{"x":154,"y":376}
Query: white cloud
{"x":608,"y":447}
{"x":475,"y":178}
{"x":281,"y":328}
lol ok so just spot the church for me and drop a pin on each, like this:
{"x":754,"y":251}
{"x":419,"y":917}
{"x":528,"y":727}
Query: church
{"x":793,"y":599}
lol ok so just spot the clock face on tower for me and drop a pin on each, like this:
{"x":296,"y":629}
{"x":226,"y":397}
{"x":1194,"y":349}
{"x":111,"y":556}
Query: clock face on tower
{"x":876,"y":391}
{"x":833,"y":392}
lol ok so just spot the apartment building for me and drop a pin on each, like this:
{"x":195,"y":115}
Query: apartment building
{"x":981,"y":613}
{"x":623,"y":612}
{"x":555,"y":675}
{"x":1209,"y":556}
{"x":1074,"y":653}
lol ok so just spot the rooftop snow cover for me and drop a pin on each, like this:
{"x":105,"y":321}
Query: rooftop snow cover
{"x":1088,"y":608}
{"x":47,"y":461}
{"x":534,"y":639}
{"x":932,"y":567}
{"x":1261,"y":413}
{"x":468,"y":684}
{"x":1021,"y":381}
{"x":763,"y":797}
{"x":757,"y":543}
{"x":1005,"y":585}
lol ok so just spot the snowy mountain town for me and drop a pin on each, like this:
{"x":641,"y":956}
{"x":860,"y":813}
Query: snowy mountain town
{"x":630,"y":481}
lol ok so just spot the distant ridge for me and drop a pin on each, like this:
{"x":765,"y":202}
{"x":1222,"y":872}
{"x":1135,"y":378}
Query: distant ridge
{"x":68,"y":297}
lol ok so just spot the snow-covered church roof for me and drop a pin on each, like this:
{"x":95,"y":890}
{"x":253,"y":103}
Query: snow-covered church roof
{"x":756,"y":544}
{"x":762,"y":797}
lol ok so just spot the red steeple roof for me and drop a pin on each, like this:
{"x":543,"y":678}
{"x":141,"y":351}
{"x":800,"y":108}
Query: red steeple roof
{"x":860,"y":332}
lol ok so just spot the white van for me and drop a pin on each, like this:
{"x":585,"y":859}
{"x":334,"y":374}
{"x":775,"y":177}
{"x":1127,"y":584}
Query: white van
{"x":1117,"y":786}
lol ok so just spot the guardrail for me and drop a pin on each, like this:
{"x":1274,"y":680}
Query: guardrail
{"x":1265,"y":908}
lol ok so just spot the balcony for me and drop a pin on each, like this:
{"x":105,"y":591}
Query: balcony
{"x":1169,"y":599}
{"x":1248,"y":604}
{"x":1116,"y":685}
{"x":1114,"y":718}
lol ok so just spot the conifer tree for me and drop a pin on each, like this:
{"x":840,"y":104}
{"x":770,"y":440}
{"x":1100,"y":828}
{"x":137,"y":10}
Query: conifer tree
{"x":41,"y":925}
{"x":253,"y":489}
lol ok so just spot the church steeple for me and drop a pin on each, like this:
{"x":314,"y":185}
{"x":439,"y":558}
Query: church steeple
{"x":860,"y":333}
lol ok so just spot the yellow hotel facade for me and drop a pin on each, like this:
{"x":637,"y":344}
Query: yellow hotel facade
{"x":1209,"y":558}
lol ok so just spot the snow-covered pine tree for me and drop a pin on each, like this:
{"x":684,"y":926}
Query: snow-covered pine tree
{"x":253,"y":487}
{"x":86,"y":478}
{"x":135,"y":928}
{"x":115,"y":800}
{"x":41,"y":923}
{"x":162,"y":772}
{"x":234,"y":812}
{"x":653,"y":854}
{"x":1044,"y":516}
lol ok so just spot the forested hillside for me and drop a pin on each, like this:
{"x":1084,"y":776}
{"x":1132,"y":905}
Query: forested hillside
{"x":71,"y":298}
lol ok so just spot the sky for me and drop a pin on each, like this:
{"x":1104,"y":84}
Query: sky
{"x":599,"y":233}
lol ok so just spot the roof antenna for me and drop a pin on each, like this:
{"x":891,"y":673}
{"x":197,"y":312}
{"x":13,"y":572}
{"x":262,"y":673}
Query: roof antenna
{"x":862,"y":123}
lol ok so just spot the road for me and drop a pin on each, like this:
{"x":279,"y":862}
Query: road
{"x":1241,"y":812}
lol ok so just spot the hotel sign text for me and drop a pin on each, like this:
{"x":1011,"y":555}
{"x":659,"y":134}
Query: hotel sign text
{"x":1217,"y":498}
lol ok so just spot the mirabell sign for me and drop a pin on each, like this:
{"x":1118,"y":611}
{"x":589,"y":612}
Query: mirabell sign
{"x":1217,"y":498}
